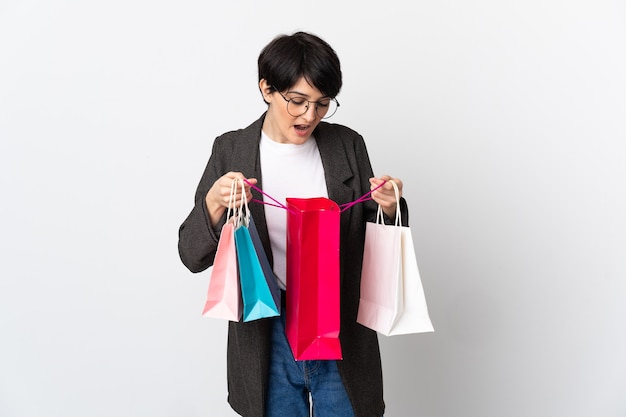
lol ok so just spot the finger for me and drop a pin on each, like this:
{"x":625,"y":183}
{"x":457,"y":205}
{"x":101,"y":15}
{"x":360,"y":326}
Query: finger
{"x":388,"y":185}
{"x":386,"y":194}
{"x":375,"y":182}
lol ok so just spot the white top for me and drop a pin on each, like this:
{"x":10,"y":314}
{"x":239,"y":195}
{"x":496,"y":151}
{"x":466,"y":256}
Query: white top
{"x":288,"y":170}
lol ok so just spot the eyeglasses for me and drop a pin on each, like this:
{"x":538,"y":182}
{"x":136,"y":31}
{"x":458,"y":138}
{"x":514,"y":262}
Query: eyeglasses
{"x":297,"y":106}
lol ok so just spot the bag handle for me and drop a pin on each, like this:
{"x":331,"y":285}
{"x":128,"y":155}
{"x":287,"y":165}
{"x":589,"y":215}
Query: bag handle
{"x":243,"y":218}
{"x":364,"y":197}
{"x":379,"y":213}
{"x":342,"y":207}
{"x":232,"y":211}
{"x":276,"y":202}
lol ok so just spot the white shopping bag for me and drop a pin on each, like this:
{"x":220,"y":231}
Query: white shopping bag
{"x":392,"y":297}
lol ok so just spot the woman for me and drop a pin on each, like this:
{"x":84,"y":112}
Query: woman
{"x":290,"y":152}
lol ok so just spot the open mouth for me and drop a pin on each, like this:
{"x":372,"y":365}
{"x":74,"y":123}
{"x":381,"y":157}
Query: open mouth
{"x":301,"y":128}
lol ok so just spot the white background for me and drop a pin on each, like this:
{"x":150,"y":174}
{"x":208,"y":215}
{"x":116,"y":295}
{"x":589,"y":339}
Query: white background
{"x":505,"y":119}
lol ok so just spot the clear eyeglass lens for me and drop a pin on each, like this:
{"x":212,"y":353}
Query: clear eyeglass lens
{"x":323,"y":108}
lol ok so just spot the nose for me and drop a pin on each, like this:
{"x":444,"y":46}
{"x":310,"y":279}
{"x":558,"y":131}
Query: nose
{"x":311,"y":113}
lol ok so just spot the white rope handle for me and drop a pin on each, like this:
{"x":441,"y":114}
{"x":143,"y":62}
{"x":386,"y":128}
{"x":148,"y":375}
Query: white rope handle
{"x":243,"y":218}
{"x":379,"y":213}
{"x":231,"y":201}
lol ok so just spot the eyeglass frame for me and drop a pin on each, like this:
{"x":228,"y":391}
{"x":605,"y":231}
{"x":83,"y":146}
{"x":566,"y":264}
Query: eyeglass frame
{"x":309,"y":102}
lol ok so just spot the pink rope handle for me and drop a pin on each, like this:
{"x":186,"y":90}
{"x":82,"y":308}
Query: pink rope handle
{"x":276,"y":202}
{"x":343,"y":207}
{"x":364,"y":197}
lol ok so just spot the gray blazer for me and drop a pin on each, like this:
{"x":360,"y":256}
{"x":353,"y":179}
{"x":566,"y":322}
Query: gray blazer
{"x":347,"y":170}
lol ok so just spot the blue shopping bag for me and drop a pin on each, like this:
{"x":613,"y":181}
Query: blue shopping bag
{"x":270,"y":277}
{"x":258,"y":300}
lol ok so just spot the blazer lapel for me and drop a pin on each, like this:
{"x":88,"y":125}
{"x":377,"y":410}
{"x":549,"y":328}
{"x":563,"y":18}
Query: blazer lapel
{"x":336,"y":170}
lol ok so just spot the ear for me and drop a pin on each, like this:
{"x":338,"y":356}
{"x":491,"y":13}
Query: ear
{"x":266,"y":90}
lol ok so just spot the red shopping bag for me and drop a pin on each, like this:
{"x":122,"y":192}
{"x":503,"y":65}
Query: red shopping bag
{"x":313,"y":278}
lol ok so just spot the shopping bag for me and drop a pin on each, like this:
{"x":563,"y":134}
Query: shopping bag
{"x":223,"y":298}
{"x":381,"y":301}
{"x":270,"y":277}
{"x":392,"y":300}
{"x":414,"y":317}
{"x":258,"y":301}
{"x":312,"y":310}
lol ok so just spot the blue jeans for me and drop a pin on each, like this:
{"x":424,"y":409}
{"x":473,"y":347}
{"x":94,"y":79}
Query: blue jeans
{"x":290,"y":383}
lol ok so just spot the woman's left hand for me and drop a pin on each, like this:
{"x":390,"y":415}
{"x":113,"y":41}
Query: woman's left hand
{"x":385,"y":196}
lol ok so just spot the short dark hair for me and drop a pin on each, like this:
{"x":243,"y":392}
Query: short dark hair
{"x":288,"y":58}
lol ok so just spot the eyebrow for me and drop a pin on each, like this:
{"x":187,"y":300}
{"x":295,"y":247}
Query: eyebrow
{"x":305,"y":95}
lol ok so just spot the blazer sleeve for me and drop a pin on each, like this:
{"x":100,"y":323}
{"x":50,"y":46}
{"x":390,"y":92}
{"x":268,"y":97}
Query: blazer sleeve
{"x":197,"y":239}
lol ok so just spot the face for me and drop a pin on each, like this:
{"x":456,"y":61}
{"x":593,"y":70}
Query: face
{"x":279,"y":124}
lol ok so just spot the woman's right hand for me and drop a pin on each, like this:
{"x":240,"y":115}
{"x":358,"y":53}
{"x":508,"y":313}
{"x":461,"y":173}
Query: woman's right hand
{"x":218,"y":196}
